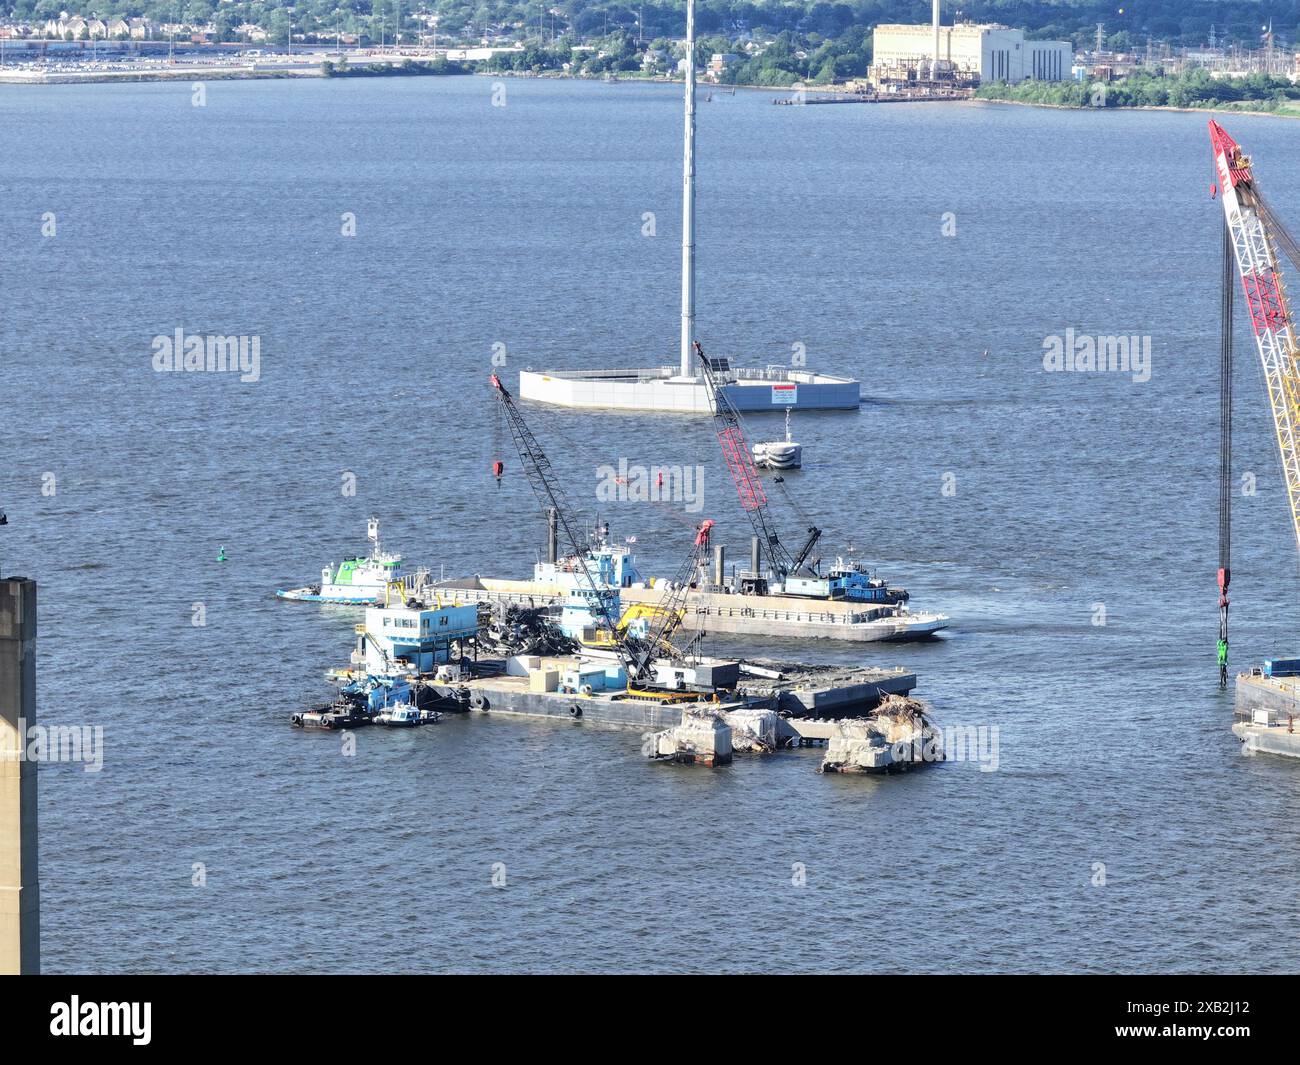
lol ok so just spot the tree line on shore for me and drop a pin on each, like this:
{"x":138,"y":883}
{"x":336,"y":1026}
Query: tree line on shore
{"x":812,"y":23}
{"x":1194,"y":87}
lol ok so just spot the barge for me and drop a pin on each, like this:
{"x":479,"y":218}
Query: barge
{"x":561,"y":687}
{"x":847,"y":604}
{"x":1267,"y":711}
{"x":719,"y":610}
{"x":412,"y":664}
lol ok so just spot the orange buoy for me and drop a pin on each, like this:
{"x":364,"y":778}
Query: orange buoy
{"x":498,"y":468}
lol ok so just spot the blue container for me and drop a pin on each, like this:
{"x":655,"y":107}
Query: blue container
{"x":1282,"y":667}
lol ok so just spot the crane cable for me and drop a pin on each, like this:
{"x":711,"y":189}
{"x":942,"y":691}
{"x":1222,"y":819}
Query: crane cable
{"x":1273,"y":226}
{"x":1225,"y":449}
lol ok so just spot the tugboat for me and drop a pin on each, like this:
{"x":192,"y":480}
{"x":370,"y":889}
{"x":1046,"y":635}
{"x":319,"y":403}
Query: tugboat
{"x":360,"y":581}
{"x":406,"y":664}
{"x":395,"y":701}
{"x":779,"y":454}
{"x":348,"y":711}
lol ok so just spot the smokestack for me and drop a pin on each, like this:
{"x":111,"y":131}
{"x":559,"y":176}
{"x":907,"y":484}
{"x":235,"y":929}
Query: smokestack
{"x":719,"y":563}
{"x":936,"y":39}
{"x":552,"y":536}
{"x":753,"y":555}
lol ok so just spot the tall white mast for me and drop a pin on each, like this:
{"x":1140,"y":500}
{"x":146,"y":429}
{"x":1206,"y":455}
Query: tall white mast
{"x":688,"y":202}
{"x":935,"y":72}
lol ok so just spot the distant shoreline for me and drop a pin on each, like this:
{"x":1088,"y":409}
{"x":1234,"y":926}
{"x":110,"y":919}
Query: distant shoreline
{"x":188,"y":74}
{"x":368,"y":69}
{"x":392,"y":66}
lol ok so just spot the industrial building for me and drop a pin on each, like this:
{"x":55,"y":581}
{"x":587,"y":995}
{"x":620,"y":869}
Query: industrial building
{"x":965,"y":53}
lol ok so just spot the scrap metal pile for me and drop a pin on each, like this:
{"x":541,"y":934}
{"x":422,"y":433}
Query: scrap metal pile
{"x":509,"y":630}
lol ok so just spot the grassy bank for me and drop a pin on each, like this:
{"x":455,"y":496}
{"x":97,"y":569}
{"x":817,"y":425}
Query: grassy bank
{"x":1192,"y":90}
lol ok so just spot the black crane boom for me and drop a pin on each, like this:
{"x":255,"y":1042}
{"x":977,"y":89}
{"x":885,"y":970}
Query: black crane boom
{"x":550,"y":496}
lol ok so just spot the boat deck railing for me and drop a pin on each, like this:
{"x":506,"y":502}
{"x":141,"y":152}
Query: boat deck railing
{"x":823,"y":616}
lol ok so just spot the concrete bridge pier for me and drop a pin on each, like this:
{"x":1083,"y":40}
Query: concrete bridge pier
{"x":20,"y":900}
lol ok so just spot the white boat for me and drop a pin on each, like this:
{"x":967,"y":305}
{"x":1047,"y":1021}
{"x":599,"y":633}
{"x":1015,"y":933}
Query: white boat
{"x":404,"y":715}
{"x":362,"y":581}
{"x":779,"y":454}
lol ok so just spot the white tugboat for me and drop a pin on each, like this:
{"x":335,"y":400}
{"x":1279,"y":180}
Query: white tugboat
{"x":404,"y":715}
{"x":360,"y":581}
{"x":779,"y":454}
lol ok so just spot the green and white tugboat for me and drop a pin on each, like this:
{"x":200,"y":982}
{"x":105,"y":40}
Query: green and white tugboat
{"x":361,"y":581}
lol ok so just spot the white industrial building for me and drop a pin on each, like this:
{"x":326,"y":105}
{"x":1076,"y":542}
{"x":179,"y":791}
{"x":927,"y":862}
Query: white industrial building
{"x":987,"y":52}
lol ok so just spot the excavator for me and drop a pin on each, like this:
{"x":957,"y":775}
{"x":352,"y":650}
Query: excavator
{"x":664,"y":618}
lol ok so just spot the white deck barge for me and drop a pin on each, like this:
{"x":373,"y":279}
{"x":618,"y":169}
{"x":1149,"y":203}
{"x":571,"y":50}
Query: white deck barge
{"x":729,"y":612}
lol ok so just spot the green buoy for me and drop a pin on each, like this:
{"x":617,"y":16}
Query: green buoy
{"x":221,"y":554}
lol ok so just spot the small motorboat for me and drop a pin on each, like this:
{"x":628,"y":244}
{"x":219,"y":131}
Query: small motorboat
{"x":779,"y":454}
{"x":404,"y":715}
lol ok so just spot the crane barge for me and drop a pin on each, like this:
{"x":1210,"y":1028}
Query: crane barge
{"x":790,"y":573}
{"x":1268,"y":696}
{"x":647,"y":675}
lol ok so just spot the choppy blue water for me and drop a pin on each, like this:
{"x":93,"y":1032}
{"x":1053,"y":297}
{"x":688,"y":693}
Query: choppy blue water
{"x":522,"y":225}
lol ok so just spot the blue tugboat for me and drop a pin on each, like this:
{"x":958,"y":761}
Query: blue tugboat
{"x":398,"y":673}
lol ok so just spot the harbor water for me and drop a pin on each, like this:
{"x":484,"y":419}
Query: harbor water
{"x":1066,"y":521}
